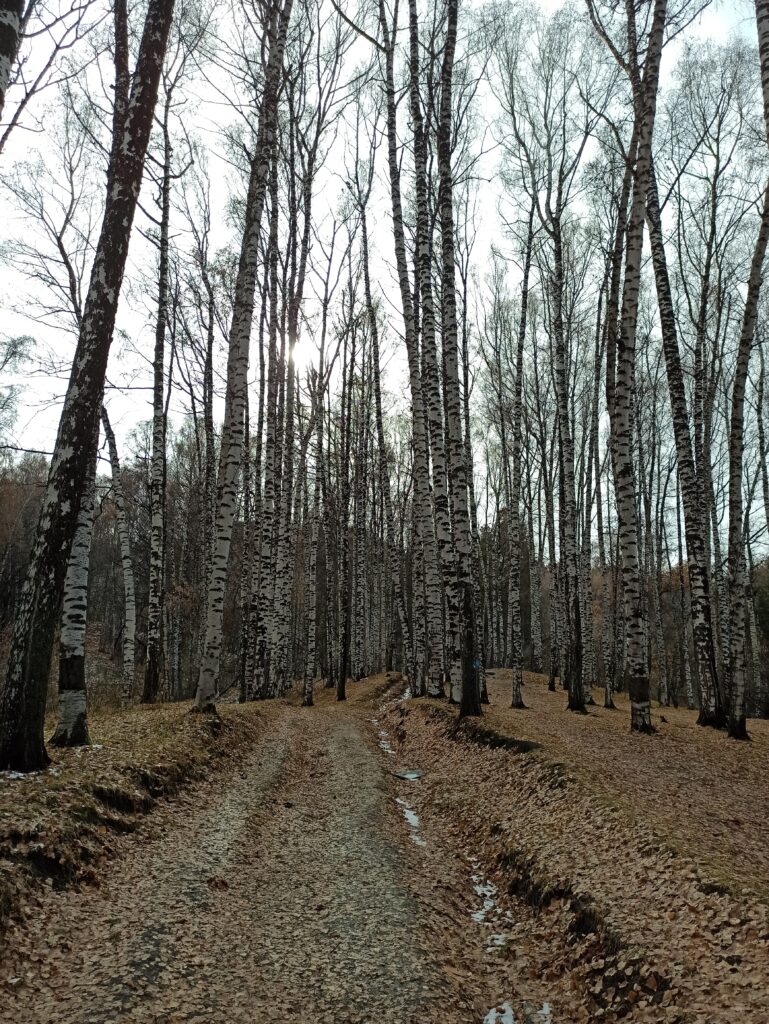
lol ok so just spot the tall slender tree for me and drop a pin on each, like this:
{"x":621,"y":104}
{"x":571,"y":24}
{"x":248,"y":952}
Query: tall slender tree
{"x":22,"y":704}
{"x":276,"y":27}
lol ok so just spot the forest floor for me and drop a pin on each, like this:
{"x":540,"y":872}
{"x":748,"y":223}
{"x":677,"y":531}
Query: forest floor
{"x":536,"y":867}
{"x":635,"y":868}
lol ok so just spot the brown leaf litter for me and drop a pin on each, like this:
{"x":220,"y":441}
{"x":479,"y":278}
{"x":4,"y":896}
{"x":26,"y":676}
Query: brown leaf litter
{"x":56,"y":825}
{"x":621,"y":906}
{"x":545,"y":867}
{"x":273,"y":894}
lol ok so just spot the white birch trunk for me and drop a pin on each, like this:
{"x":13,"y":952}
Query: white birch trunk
{"x":72,"y":723}
{"x":154,"y":673}
{"x":462,"y":535}
{"x":514,"y":603}
{"x":312,"y":575}
{"x":11,"y":15}
{"x":22,"y":705}
{"x":267,"y":549}
{"x":237,"y":366}
{"x":426,"y":536}
{"x":535,"y":596}
{"x":126,"y":561}
{"x":645,"y":99}
{"x":569,"y":568}
{"x":431,"y":379}
{"x":711,"y":712}
{"x":736,"y":549}
{"x":606,"y":628}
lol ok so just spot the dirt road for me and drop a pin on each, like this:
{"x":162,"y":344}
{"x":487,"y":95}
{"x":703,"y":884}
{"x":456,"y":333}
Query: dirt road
{"x":275,"y":895}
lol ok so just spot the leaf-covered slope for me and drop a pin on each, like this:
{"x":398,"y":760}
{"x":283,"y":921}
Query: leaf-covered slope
{"x":55,"y":825}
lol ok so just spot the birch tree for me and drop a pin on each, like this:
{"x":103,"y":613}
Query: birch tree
{"x":11,"y":13}
{"x":641,"y":62}
{"x":237,"y":366}
{"x":72,"y":722}
{"x":470,"y":688}
{"x":126,"y":561}
{"x":22,"y":705}
{"x":165,"y":170}
{"x":433,"y":597}
{"x":736,"y":547}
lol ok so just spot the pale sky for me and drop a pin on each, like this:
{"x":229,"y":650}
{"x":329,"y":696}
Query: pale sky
{"x":40,"y":404}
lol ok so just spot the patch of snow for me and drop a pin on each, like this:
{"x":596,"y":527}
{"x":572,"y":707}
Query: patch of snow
{"x":413,"y":819}
{"x":409,"y":814}
{"x":490,"y":913}
{"x":406,"y":695}
{"x":384,"y":742}
{"x":501,"y":1014}
{"x":483,"y":887}
{"x":480,"y":915}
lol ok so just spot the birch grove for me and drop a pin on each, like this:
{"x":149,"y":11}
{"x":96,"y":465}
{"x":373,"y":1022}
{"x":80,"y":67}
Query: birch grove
{"x":440,"y":353}
{"x":276,"y":28}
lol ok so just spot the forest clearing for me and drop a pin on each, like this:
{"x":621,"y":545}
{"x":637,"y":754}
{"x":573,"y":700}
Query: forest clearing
{"x":496,"y":882}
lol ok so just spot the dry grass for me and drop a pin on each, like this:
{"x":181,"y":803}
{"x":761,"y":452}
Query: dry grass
{"x":56,"y":825}
{"x":644,"y":857}
{"x":361,"y":693}
{"x":705,"y":796}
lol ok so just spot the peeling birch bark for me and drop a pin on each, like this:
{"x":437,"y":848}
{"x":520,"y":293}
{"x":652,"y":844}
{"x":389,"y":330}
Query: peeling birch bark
{"x":470,"y":690}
